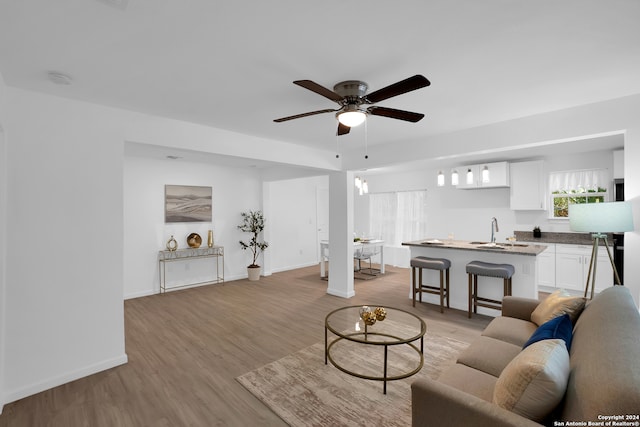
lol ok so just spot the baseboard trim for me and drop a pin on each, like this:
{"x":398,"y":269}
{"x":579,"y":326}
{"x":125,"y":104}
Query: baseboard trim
{"x":294,"y":267}
{"x":140,"y":294}
{"x":56,"y":381}
{"x":341,"y":294}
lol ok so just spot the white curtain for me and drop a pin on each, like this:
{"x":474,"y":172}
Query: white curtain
{"x":383,"y":210}
{"x":398,"y":217}
{"x":589,"y":179}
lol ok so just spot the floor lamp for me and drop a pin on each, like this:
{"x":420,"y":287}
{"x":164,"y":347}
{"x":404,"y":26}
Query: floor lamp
{"x":599,"y":219}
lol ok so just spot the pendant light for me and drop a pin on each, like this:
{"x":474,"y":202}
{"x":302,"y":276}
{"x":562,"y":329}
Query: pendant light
{"x":469,"y":177}
{"x":361,"y":185}
{"x":440,"y":179}
{"x":485,"y":174}
{"x":454,"y":177}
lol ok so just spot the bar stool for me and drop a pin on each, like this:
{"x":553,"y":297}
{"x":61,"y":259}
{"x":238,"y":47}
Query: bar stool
{"x":440,"y":264}
{"x":487,"y":269}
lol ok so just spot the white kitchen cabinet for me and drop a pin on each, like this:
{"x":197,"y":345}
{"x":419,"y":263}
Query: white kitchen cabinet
{"x":547,"y":267}
{"x":498,"y":176}
{"x":572,"y":267}
{"x":569,"y":267}
{"x":528,"y":189}
{"x":618,"y":164}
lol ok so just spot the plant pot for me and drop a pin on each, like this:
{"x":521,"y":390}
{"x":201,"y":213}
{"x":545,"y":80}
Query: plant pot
{"x":254,"y":273}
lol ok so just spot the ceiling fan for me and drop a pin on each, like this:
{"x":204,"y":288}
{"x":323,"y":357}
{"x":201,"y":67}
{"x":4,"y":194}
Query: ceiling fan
{"x":355,"y":104}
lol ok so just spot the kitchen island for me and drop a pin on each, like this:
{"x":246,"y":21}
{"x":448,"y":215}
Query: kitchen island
{"x":460,"y":252}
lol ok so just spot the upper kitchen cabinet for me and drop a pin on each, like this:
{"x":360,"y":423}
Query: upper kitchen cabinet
{"x":618,"y":164}
{"x":484,"y":175}
{"x":528,"y":191}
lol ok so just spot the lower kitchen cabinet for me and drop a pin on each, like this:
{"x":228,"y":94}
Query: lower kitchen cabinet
{"x":572,"y":267}
{"x":547,"y":267}
{"x":564,"y":266}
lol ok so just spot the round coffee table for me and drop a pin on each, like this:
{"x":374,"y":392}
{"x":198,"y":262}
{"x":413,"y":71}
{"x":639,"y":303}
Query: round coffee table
{"x":398,"y":328}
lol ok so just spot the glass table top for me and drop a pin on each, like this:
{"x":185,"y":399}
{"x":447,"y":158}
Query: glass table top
{"x":396,"y":327}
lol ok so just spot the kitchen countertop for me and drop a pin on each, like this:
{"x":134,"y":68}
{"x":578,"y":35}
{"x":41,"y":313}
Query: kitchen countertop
{"x":517,"y":249}
{"x":560,"y":238}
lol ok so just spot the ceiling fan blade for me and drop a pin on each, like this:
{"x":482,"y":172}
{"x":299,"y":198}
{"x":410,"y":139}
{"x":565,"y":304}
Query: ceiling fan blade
{"x":342,"y":129}
{"x":298,"y":116}
{"x":407,"y":85}
{"x":395,"y":114}
{"x":320,"y":90}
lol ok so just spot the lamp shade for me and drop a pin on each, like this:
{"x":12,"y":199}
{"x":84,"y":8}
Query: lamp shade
{"x":352,"y":118}
{"x":613,"y":217}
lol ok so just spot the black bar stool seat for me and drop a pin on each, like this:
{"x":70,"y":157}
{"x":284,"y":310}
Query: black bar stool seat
{"x":487,"y":269}
{"x":441,"y":264}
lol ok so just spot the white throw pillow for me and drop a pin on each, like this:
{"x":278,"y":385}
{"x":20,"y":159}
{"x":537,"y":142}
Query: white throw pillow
{"x":535,"y":381}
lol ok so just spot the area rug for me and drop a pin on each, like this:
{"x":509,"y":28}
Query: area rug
{"x":362,"y":275}
{"x":303,"y":391}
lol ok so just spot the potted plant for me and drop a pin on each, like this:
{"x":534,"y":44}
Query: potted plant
{"x":537,"y":232}
{"x":253,"y":222}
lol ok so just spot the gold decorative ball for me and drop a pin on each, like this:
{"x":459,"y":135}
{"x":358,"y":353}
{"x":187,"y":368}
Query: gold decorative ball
{"x":364,"y":309}
{"x":369,"y":318}
{"x":380,"y":313}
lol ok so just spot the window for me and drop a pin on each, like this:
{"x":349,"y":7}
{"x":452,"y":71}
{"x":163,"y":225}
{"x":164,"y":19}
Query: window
{"x":580,"y":186}
{"x":399,"y":216}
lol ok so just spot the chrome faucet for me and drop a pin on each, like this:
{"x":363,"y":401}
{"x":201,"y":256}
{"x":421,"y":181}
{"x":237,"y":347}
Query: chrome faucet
{"x":494,"y":221}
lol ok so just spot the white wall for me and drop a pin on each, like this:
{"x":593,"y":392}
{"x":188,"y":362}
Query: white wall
{"x":3,"y":232}
{"x":234,"y":190}
{"x":292,"y":222}
{"x":63,"y":314}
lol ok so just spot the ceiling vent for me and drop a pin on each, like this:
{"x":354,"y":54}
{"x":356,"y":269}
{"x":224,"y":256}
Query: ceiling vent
{"x":59,"y":78}
{"x":118,"y":4}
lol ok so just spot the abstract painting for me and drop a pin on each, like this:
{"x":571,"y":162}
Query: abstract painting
{"x":187,"y":203}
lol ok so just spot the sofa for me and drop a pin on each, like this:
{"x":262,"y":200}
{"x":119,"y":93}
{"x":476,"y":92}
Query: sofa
{"x":603,"y":369}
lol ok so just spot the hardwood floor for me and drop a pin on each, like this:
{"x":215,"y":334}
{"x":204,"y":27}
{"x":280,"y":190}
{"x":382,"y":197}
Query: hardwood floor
{"x":186,"y":348}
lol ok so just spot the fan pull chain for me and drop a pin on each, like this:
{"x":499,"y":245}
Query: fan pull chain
{"x":366,"y":139}
{"x":337,"y":151}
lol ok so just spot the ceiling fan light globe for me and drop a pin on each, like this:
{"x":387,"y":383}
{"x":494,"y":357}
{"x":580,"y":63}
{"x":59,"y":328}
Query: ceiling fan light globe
{"x":352,"y":118}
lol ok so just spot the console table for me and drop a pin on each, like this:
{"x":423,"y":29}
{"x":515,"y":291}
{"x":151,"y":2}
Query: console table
{"x":215,"y":252}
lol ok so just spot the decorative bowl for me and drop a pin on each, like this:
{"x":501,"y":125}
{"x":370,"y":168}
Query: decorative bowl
{"x":194,"y":240}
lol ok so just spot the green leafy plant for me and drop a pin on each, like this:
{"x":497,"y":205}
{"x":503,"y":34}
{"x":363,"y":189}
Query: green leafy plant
{"x":563,"y":198}
{"x":253,"y":222}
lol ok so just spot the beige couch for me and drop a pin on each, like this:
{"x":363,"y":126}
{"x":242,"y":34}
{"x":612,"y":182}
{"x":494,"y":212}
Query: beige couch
{"x":604,"y":369}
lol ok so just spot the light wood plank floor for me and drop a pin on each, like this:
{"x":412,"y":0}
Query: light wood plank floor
{"x":187,"y":347}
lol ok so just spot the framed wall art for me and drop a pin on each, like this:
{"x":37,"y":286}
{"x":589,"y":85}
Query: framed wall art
{"x":187,"y":203}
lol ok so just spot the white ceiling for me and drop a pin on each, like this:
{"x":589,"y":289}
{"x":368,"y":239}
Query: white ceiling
{"x":230,"y":64}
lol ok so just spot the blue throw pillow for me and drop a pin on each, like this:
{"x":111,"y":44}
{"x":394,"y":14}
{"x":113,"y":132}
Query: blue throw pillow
{"x":558,"y":327}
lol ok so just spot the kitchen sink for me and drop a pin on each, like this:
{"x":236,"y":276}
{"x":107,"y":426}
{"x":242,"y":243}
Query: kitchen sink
{"x":478,"y":243}
{"x":490,"y":245}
